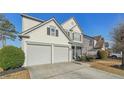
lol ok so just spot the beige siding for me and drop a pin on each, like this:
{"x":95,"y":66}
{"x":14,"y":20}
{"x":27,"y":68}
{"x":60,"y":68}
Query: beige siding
{"x":69,"y":24}
{"x":72,"y":24}
{"x":28,"y":23}
{"x":40,"y":35}
{"x":76,"y":29}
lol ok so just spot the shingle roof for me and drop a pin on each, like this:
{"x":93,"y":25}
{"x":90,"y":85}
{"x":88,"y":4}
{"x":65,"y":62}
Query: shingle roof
{"x":88,"y":36}
{"x":37,"y":19}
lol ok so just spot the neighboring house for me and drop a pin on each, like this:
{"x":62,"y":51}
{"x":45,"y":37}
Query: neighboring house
{"x":92,"y":44}
{"x":74,"y":32}
{"x":88,"y":45}
{"x":100,"y":43}
{"x":44,"y":42}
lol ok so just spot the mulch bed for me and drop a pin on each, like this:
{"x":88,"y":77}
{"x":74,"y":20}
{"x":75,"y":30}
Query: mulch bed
{"x":11,"y":71}
{"x":18,"y":73}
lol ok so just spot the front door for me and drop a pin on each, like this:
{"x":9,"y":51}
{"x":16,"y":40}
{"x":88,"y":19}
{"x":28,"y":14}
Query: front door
{"x":76,"y":52}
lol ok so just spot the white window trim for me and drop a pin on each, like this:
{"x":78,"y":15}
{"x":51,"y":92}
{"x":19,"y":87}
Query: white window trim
{"x":52,"y":27}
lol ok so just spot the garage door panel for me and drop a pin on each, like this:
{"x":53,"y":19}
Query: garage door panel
{"x":60,"y":54}
{"x":38,"y":54}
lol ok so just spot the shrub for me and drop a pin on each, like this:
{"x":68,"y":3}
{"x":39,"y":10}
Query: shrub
{"x":87,"y":58}
{"x":101,"y":54}
{"x":83,"y":58}
{"x":90,"y":58}
{"x":11,"y":57}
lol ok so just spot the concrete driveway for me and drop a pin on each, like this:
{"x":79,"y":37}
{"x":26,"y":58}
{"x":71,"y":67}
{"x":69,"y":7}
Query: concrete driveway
{"x":69,"y":71}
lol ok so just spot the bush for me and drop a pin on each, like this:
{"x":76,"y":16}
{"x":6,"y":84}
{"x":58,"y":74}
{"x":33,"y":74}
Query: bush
{"x":11,"y":57}
{"x":90,"y":58}
{"x":87,"y":58}
{"x":101,"y":54}
{"x":83,"y":58}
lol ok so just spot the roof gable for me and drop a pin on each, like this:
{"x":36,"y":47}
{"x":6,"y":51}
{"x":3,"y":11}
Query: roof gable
{"x":44,"y":23}
{"x":29,"y":22}
{"x":71,"y":24}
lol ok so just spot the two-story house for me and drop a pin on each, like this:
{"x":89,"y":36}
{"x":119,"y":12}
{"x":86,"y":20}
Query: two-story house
{"x":92,"y":44}
{"x":44,"y":42}
{"x":100,"y":42}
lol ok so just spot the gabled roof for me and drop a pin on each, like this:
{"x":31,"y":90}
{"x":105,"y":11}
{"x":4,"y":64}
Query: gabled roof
{"x":97,"y":38}
{"x":41,"y":24}
{"x":75,"y":22}
{"x":30,"y":17}
{"x":88,"y":36}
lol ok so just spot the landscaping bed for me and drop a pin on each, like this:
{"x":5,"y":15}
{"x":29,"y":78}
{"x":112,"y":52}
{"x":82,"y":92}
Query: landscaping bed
{"x":109,"y":66}
{"x":19,"y":73}
{"x":11,"y":62}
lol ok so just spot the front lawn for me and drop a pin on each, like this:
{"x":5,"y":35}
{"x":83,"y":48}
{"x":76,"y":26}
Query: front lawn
{"x":109,"y":65}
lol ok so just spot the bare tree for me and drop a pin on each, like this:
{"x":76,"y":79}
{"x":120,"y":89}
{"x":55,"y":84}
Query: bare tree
{"x":118,"y":39}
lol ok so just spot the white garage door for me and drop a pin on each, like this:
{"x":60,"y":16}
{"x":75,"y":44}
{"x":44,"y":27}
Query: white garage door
{"x":61,"y":54}
{"x":38,"y":54}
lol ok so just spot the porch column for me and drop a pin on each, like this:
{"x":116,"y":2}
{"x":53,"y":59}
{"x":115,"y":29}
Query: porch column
{"x":75,"y":51}
{"x":70,"y":53}
{"x":81,"y":51}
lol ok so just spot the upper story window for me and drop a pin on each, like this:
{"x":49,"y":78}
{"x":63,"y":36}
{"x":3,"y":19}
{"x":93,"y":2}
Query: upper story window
{"x":52,"y":31}
{"x":76,"y":36}
{"x":91,"y":43}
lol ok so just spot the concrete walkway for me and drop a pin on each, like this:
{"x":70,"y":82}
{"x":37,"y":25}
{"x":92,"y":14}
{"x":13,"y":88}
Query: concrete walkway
{"x":69,"y":71}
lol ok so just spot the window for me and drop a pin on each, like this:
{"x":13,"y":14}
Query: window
{"x":77,"y":36}
{"x":52,"y":31}
{"x":91,"y":43}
